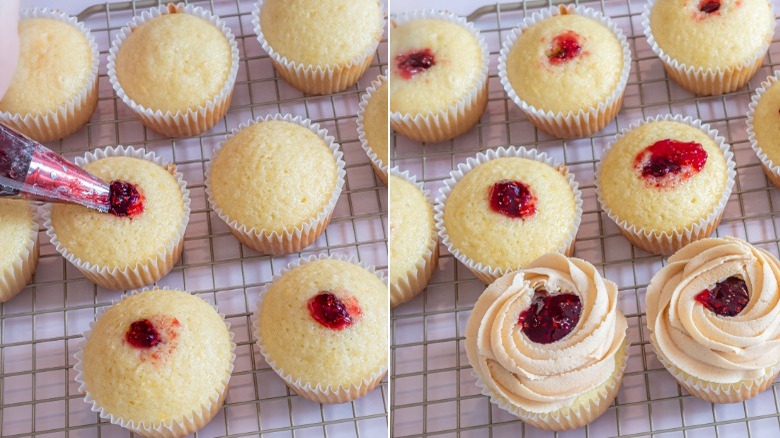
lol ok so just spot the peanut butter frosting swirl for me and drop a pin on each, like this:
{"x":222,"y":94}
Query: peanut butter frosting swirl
{"x":707,"y":346}
{"x":544,"y":378}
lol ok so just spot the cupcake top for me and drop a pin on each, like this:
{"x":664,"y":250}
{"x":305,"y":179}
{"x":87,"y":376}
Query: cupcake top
{"x":375,"y":123}
{"x":174,"y":62}
{"x":151,"y":218}
{"x":712,"y":34}
{"x":55,"y":63}
{"x":411,"y":227}
{"x":157,"y":356}
{"x":273,"y":176}
{"x":322,"y":33}
{"x":565,"y":63}
{"x":663,"y":176}
{"x":434,"y":64}
{"x":16,"y":221}
{"x":766,"y":123}
{"x":714,"y":310}
{"x":325,"y":323}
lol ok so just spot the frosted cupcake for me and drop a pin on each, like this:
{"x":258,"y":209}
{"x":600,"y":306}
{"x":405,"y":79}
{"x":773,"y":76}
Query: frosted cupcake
{"x":19,"y":252}
{"x":763,"y":126}
{"x":373,"y":127}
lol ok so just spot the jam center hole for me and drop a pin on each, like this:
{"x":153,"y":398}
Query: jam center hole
{"x":663,"y":159}
{"x":330,"y":311}
{"x":124,"y":199}
{"x":142,"y":334}
{"x":727,"y":298}
{"x":411,"y":63}
{"x":709,"y":6}
{"x":513,"y":199}
{"x":550,"y":318}
{"x":564,"y":47}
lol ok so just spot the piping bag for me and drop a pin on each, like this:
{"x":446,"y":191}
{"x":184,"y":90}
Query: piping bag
{"x":29,"y":170}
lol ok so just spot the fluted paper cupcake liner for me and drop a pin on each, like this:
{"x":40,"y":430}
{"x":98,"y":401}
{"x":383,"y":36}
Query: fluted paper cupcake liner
{"x":457,"y":118}
{"x":700,"y":80}
{"x":316,"y":79}
{"x":184,"y":122}
{"x":301,"y":236}
{"x":379,"y":164}
{"x":587,"y":121}
{"x":20,"y":273}
{"x":771,"y":169}
{"x":410,"y":285}
{"x":316,"y":392}
{"x":667,"y":243}
{"x":143,"y":273}
{"x":488,"y":273}
{"x":74,"y":113}
{"x":170,"y":428}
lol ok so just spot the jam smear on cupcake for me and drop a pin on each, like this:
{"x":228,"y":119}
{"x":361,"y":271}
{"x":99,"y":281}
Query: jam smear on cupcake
{"x":550,"y":317}
{"x":124,"y":199}
{"x":330,"y":311}
{"x":564,"y":47}
{"x":667,"y":162}
{"x":513,"y":199}
{"x":727,"y":298}
{"x":411,"y":63}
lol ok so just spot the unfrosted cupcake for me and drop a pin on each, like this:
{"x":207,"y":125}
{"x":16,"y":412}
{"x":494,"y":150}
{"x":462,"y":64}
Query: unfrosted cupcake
{"x":505,"y":208}
{"x":548,"y":343}
{"x":710,"y":47}
{"x":175,"y":67}
{"x":54,"y":89}
{"x":763,"y":126}
{"x":438,"y":75}
{"x":567,"y":69}
{"x":320,"y":47}
{"x":713,"y":314}
{"x":157,"y":363}
{"x":322,"y":325}
{"x":665,"y":181}
{"x":19,"y":252}
{"x":275,"y":182}
{"x":373,"y":127}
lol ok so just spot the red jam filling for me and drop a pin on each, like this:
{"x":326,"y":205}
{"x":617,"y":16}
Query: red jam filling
{"x":709,"y":6}
{"x":330,"y":311}
{"x":513,"y":199}
{"x":564,"y":47}
{"x":727,"y":298}
{"x":550,"y":317}
{"x":125,"y":199}
{"x":142,"y":334}
{"x":667,"y":161}
{"x":411,"y":63}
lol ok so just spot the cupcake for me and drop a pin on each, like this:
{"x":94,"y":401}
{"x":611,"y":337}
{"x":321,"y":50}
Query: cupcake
{"x":19,"y":255}
{"x":438,"y":75}
{"x":140,"y":239}
{"x":566,"y":68}
{"x":506,"y":207}
{"x":414,"y":245}
{"x":322,"y":325}
{"x":275,"y":181}
{"x":372,"y":126}
{"x":157,"y":363}
{"x":175,"y":67}
{"x":710,"y":47}
{"x":320,"y":47}
{"x":548,"y":343}
{"x":713,"y":314}
{"x":54,"y":89}
{"x":763,"y":126}
{"x":665,"y":181}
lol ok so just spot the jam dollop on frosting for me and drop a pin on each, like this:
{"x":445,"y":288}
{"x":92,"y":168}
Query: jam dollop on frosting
{"x":727,"y":298}
{"x":329,"y":310}
{"x":709,"y":6}
{"x":564,"y":47}
{"x":668,"y":161}
{"x":142,"y":334}
{"x":550,"y":318}
{"x":513,"y":199}
{"x":124,"y":199}
{"x":411,"y":63}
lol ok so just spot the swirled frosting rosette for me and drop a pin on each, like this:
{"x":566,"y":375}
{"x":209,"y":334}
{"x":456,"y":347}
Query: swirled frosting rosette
{"x":548,"y":343}
{"x":714,"y":315}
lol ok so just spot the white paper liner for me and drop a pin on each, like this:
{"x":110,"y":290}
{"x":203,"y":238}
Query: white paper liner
{"x":184,"y":122}
{"x":143,"y":273}
{"x":317,"y":79}
{"x":706,"y":81}
{"x":316,"y":392}
{"x":301,"y":236}
{"x":168,"y":428}
{"x":380,"y":167}
{"x":456,"y":119}
{"x":667,"y":243}
{"x":488,"y":273}
{"x":771,"y":168}
{"x":73,"y":114}
{"x":586,"y":121}
{"x":21,"y":271}
{"x":415,"y":281}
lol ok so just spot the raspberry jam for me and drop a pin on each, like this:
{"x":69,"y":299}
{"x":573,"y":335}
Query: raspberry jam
{"x":411,"y":63}
{"x":328,"y":309}
{"x":727,"y":298}
{"x":513,"y":199}
{"x":668,"y":158}
{"x":125,"y":199}
{"x":550,"y":317}
{"x":709,"y":6}
{"x":142,"y":334}
{"x":564,"y":47}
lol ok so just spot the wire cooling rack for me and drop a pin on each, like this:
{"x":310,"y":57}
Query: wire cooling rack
{"x":433,"y":390}
{"x":42,"y":326}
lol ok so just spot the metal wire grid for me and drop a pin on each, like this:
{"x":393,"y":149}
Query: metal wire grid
{"x":41,"y":328}
{"x":433,"y":390}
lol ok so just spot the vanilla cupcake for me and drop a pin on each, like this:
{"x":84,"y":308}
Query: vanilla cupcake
{"x":548,"y":343}
{"x":157,"y":363}
{"x":714,"y":316}
{"x":373,"y":127}
{"x":19,"y":252}
{"x":322,"y":325}
{"x":319,"y":47}
{"x":54,"y":89}
{"x":763,"y":126}
{"x":710,"y":47}
{"x":140,"y":240}
{"x":175,"y":67}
